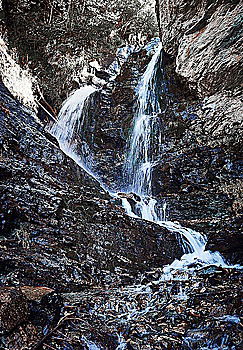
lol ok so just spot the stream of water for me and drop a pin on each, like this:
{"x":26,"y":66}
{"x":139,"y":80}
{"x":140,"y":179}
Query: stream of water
{"x":140,"y":159}
{"x":139,"y":162}
{"x":138,"y":169}
{"x":139,"y":165}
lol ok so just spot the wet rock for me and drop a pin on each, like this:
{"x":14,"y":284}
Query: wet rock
{"x":35,"y":293}
{"x":132,"y":196}
{"x":201,"y":164}
{"x":59,"y":227}
{"x":107,"y":121}
{"x":185,"y":311}
{"x":198,"y":166}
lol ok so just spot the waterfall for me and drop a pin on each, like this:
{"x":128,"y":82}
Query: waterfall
{"x":139,"y":165}
{"x":140,"y":157}
{"x":69,"y":128}
{"x":145,"y":138}
{"x":70,"y":119}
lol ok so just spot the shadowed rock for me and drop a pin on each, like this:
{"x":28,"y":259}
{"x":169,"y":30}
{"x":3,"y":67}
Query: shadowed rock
{"x":59,"y":227}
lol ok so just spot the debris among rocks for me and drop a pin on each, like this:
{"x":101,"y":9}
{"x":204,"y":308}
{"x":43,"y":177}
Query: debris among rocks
{"x":183,"y":310}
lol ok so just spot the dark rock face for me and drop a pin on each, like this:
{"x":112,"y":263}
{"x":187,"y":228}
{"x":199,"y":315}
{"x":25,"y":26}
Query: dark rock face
{"x":205,"y":37}
{"x":59,"y":228}
{"x":199,"y":165}
{"x":200,"y":172}
{"x":108,"y":118}
{"x":202,"y":186}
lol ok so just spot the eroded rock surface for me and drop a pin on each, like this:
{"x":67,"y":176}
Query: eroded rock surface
{"x":205,"y":38}
{"x":199,"y":159}
{"x":189,"y":311}
{"x":203,"y":130}
{"x":59,"y":228}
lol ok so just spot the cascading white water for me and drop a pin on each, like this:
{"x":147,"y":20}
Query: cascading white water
{"x":140,"y":157}
{"x":69,"y":125}
{"x":70,"y":119}
{"x":68,"y":129}
{"x":139,"y":166}
{"x":194,"y":243}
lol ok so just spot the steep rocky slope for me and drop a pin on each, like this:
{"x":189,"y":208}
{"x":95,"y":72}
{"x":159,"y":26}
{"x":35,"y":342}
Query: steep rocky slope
{"x":201,"y":157}
{"x":66,"y":245}
{"x":58,"y":226}
{"x":199,"y":162}
{"x":60,"y":232}
{"x":194,"y":165}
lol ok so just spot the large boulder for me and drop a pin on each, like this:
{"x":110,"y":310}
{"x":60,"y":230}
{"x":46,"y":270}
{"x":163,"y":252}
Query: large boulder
{"x":27,"y":316}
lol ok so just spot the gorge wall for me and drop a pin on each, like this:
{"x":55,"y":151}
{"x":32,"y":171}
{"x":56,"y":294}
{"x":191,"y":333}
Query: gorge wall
{"x":201,"y":159}
{"x":199,"y":163}
{"x":203,"y":163}
{"x":66,"y":244}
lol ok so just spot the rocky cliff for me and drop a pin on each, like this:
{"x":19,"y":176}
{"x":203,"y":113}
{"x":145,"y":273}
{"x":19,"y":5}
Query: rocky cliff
{"x":203,"y":163}
{"x":200,"y":158}
{"x":58,"y":225}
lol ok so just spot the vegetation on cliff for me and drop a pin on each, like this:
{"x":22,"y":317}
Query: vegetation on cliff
{"x":56,"y":39}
